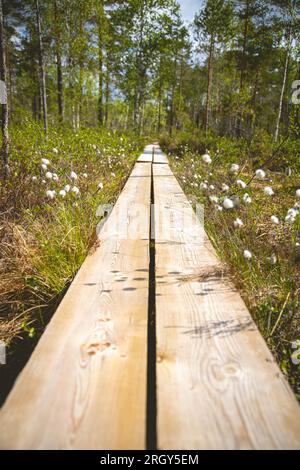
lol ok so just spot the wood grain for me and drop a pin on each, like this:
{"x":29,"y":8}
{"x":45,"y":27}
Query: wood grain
{"x":85,"y":385}
{"x":218,"y":386}
{"x":147,"y":155}
{"x":159,"y":156}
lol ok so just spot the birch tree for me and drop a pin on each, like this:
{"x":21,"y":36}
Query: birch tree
{"x":42,"y":72}
{"x":3,"y":76}
{"x":212,"y":25}
{"x":288,"y":14}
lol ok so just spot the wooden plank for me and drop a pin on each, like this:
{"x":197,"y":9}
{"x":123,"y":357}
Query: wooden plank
{"x":85,"y":384}
{"x":218,"y":386}
{"x":147,"y":155}
{"x":159,"y":156}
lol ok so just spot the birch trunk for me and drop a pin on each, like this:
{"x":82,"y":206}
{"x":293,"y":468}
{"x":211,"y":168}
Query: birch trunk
{"x":59,"y":73}
{"x":5,"y":113}
{"x":41,"y":66}
{"x":100,"y":61}
{"x":209,"y":84}
{"x":285,"y":72}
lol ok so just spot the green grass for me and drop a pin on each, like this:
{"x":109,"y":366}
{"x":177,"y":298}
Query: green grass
{"x":270,"y":290}
{"x":44,"y":241}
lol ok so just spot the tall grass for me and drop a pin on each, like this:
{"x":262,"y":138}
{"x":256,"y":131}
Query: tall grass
{"x":44,"y":241}
{"x":269,"y":281}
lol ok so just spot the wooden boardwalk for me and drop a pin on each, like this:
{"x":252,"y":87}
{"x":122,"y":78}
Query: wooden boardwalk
{"x":217,"y":385}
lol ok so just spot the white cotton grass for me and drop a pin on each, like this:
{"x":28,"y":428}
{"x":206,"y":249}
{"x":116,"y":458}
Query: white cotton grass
{"x":290,"y":219}
{"x":247,"y":254}
{"x":214,"y":199}
{"x":238,"y":223}
{"x":273,"y":259}
{"x":228,"y":203}
{"x":75,"y":190}
{"x":241,"y":183}
{"x":293,"y":212}
{"x":291,"y":216}
{"x":100,"y":186}
{"x":247,"y":199}
{"x":34,"y":178}
{"x":234,"y":168}
{"x":55,"y":150}
{"x":62,"y":193}
{"x":45,"y":161}
{"x":298,"y":194}
{"x":275,"y":220}
{"x":268,"y":191}
{"x":206,"y":158}
{"x":203,"y":186}
{"x":260,"y":174}
{"x":73,"y":175}
{"x":225,"y":188}
{"x":84,"y":175}
{"x":113,"y":174}
{"x":44,"y":166}
{"x":55,"y":177}
{"x":49,"y":175}
{"x":50,"y":194}
{"x":67,"y":188}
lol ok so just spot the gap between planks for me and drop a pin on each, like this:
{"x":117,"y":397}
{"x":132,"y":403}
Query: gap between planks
{"x":218,"y":386}
{"x":84,"y":386}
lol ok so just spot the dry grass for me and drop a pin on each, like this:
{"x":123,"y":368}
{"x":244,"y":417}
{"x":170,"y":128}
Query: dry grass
{"x":271,"y":291}
{"x":43,"y":242}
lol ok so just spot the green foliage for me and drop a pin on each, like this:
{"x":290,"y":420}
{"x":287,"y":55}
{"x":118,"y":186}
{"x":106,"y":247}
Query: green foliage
{"x":52,"y":236}
{"x":269,"y":282}
{"x":132,"y":65}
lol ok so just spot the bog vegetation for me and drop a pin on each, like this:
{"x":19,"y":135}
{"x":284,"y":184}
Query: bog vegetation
{"x":89,"y":82}
{"x":252,"y":216}
{"x":49,"y":214}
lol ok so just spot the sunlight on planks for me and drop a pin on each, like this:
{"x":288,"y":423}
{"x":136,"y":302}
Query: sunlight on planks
{"x":218,"y":386}
{"x":85,"y":384}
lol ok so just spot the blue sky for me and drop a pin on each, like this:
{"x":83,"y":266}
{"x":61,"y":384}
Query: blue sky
{"x":189,"y":8}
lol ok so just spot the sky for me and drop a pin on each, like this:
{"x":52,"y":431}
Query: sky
{"x":189,"y":8}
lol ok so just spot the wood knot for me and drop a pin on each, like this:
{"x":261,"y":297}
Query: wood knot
{"x":159,"y":357}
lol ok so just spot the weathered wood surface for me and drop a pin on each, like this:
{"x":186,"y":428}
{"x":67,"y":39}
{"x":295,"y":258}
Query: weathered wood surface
{"x":147,"y":155}
{"x":218,"y":386}
{"x":159,"y":156}
{"x":153,"y":154}
{"x":85,"y":384}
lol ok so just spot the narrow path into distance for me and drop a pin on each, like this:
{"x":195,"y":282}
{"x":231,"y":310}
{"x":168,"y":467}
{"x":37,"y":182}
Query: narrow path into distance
{"x":93,"y":381}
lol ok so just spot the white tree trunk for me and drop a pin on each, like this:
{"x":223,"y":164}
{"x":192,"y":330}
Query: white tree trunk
{"x":3,"y":76}
{"x":281,"y":98}
{"x":42,"y":66}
